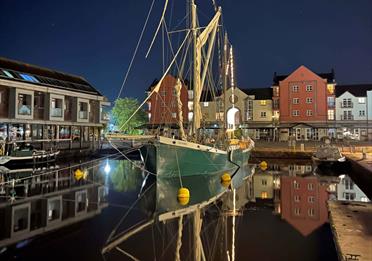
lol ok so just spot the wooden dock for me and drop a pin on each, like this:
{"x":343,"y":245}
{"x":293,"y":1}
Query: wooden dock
{"x":352,"y":229}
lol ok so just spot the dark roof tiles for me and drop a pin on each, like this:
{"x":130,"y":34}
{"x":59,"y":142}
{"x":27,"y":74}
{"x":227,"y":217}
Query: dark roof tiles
{"x":358,"y":90}
{"x":47,"y":76}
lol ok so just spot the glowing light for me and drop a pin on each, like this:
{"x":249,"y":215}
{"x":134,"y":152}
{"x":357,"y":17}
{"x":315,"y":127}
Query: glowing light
{"x":107,"y":167}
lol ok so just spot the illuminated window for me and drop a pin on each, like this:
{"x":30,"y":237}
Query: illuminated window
{"x":205,"y":104}
{"x":174,"y":115}
{"x":263,"y":194}
{"x":28,"y":77}
{"x":331,"y":88}
{"x":296,"y":100}
{"x":263,"y":102}
{"x":8,"y":74}
{"x":309,"y":88}
{"x":331,"y":114}
{"x":309,"y":100}
{"x":362,"y":100}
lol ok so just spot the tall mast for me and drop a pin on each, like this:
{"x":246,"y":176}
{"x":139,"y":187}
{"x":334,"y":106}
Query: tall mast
{"x":224,"y":83}
{"x":195,"y":71}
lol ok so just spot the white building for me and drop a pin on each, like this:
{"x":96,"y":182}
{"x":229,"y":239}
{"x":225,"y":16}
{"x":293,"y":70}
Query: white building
{"x":352,"y":111}
{"x":348,"y":190}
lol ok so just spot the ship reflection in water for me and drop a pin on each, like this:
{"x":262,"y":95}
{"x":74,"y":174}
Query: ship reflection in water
{"x":280,"y":214}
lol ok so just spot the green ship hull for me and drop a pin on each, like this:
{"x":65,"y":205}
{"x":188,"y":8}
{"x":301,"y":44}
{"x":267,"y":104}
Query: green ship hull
{"x":199,"y":169}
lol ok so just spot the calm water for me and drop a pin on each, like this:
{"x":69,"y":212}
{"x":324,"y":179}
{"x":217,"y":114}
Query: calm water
{"x":283,"y":216}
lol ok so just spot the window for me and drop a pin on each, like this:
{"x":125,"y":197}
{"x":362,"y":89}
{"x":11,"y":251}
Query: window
{"x":311,"y":212}
{"x":309,"y":88}
{"x":263,"y":114}
{"x":349,"y":196}
{"x":190,"y":94}
{"x":309,"y":100}
{"x":310,"y":186}
{"x":149,"y":106}
{"x":310,"y":199}
{"x":83,"y":110}
{"x":263,"y":194}
{"x":297,"y":211}
{"x":149,"y":115}
{"x":296,"y":113}
{"x":349,"y":184}
{"x":276,"y":91}
{"x":174,"y":93}
{"x":174,"y":115}
{"x":362,"y":113}
{"x":296,"y":185}
{"x":8,"y":74}
{"x":330,"y":88}
{"x":56,"y":107}
{"x":264,"y":182}
{"x":347,"y":115}
{"x":362,"y":100}
{"x":347,"y":103}
{"x":163,"y":93}
{"x":297,"y":198}
{"x":205,"y":104}
{"x":263,"y":102}
{"x":331,"y":101}
{"x":309,"y":112}
{"x":24,"y":104}
{"x":296,"y":100}
{"x":295,"y":88}
{"x":331,"y":114}
{"x":28,"y":77}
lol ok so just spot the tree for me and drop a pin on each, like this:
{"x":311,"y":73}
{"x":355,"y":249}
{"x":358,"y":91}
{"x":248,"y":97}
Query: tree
{"x":123,"y":109}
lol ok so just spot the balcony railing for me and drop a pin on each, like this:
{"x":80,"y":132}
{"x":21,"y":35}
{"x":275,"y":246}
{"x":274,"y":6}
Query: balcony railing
{"x":346,"y":105}
{"x":331,"y":104}
{"x":56,"y":112}
{"x":347,"y":117}
{"x":24,"y":109}
{"x":83,"y":115}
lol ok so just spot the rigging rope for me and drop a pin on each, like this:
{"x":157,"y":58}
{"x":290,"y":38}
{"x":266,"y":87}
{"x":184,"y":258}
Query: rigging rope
{"x":136,"y":49}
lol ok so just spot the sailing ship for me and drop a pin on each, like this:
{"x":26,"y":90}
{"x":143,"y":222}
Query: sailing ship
{"x":192,"y":172}
{"x":188,"y":157}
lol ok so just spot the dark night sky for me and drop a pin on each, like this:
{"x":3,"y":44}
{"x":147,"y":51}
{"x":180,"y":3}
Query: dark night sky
{"x":96,"y":39}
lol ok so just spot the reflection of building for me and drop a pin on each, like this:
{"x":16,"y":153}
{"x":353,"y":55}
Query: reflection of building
{"x":303,"y":203}
{"x":352,"y":111}
{"x":305,"y":102}
{"x":348,"y":190}
{"x":38,"y":103}
{"x":263,"y":185}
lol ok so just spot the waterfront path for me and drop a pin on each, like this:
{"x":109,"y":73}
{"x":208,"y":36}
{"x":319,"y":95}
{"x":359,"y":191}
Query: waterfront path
{"x":352,"y":229}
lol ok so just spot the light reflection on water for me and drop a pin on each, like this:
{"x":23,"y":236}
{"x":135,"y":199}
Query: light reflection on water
{"x":282,"y":216}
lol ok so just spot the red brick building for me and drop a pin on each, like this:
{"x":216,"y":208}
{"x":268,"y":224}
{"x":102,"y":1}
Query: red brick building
{"x":303,"y":203}
{"x":162,"y":106}
{"x":304,"y":103}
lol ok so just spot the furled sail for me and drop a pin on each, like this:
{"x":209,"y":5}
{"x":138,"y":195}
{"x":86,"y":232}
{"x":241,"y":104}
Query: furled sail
{"x":178,"y":88}
{"x":208,"y":33}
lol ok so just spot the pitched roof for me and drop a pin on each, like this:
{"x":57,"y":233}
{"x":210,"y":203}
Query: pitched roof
{"x":260,"y":93}
{"x":20,"y":71}
{"x":358,"y":90}
{"x":329,"y":76}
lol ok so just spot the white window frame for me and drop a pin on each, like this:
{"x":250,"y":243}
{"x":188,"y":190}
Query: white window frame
{"x":309,"y":100}
{"x":309,"y":88}
{"x":295,"y":88}
{"x":263,"y":114}
{"x":309,"y":113}
{"x":296,"y":113}
{"x":296,"y":100}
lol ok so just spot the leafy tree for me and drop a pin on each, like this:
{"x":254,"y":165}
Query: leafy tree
{"x":123,"y":109}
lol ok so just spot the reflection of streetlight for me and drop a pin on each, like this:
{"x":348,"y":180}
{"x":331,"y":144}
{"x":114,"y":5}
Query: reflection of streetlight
{"x":107,"y":167}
